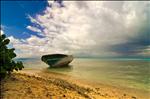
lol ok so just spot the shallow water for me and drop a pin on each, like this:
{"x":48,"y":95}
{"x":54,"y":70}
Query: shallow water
{"x":127,"y":73}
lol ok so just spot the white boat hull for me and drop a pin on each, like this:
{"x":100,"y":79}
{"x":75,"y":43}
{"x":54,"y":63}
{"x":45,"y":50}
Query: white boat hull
{"x":64,"y":61}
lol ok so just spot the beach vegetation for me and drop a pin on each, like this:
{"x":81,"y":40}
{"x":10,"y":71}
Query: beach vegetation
{"x":7,"y":55}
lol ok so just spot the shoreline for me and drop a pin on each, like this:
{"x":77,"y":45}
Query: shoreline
{"x":69,"y":87}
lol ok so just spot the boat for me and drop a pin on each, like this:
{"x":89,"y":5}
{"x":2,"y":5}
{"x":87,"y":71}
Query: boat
{"x":57,"y":60}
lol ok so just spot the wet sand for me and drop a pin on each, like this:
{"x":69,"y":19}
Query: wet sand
{"x":33,"y":84}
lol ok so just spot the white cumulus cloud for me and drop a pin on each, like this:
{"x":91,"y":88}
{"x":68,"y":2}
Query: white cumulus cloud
{"x":34,"y":29}
{"x":2,"y":32}
{"x":84,"y":28}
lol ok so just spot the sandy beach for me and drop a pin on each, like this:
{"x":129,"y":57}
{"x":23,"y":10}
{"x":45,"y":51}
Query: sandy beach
{"x":30,"y":84}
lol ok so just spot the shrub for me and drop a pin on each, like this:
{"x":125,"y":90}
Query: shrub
{"x":7,"y":64}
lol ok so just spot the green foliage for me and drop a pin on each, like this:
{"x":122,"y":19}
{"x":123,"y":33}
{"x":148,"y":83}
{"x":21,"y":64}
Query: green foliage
{"x":7,"y":64}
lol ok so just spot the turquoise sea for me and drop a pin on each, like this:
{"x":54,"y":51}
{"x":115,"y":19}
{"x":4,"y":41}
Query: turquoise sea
{"x":130,"y":73}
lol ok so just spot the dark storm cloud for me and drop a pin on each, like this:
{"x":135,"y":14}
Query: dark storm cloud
{"x":135,"y":45}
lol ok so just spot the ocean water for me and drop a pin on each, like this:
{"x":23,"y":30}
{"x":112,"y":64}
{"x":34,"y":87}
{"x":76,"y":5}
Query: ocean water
{"x":131,"y":73}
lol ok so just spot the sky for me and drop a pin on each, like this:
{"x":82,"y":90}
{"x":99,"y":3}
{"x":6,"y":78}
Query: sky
{"x":80,"y":28}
